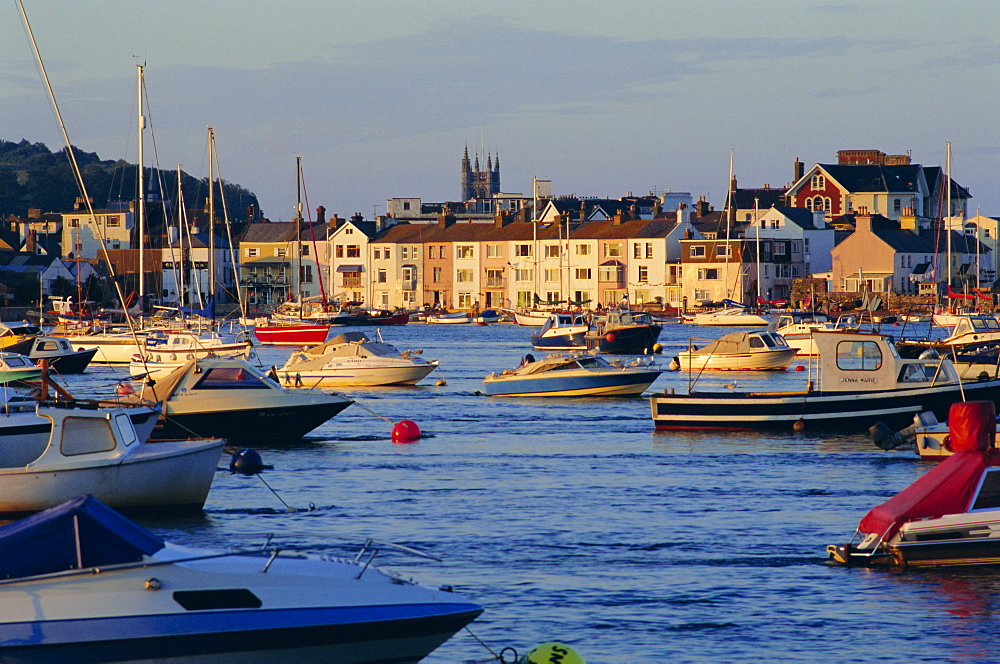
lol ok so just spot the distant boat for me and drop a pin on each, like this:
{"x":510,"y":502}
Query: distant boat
{"x":738,"y":351}
{"x":561,"y":331}
{"x":352,"y":359}
{"x":624,"y":333}
{"x":291,"y":335}
{"x":574,"y":375}
{"x":733,"y":314}
{"x":447,"y":319}
{"x":58,"y":352}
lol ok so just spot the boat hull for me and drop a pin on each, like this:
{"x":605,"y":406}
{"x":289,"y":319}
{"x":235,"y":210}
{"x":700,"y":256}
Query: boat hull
{"x":638,"y":340}
{"x":292,"y":335}
{"x":772,"y":360}
{"x":592,"y":384}
{"x":839,"y":411}
{"x":110,"y":350}
{"x":247,"y":424}
{"x":409,"y":374}
{"x":564,"y":341}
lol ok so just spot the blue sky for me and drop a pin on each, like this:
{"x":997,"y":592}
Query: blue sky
{"x":603,"y":98}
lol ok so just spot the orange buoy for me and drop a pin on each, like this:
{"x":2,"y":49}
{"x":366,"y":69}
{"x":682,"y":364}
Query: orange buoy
{"x":610,"y":336}
{"x":800,"y":368}
{"x":405,"y":431}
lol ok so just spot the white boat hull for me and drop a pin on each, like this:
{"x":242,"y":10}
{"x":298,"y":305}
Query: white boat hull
{"x":772,"y":360}
{"x":110,"y":349}
{"x":346,"y":376}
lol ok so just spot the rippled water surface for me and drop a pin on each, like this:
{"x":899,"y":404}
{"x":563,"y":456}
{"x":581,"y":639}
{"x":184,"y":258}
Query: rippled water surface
{"x":573,"y":520}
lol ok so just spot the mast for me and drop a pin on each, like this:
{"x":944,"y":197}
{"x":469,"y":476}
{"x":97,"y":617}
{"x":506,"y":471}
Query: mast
{"x":756,"y":221}
{"x":180,"y":240}
{"x":729,"y":246}
{"x":141,"y":199}
{"x":297,"y":254}
{"x":534,"y":242}
{"x":211,"y":220}
{"x":947,"y":223}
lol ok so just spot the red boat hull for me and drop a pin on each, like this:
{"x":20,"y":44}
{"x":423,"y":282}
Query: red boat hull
{"x":292,"y":335}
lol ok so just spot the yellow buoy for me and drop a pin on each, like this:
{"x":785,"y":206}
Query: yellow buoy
{"x":553,"y":652}
{"x":440,"y":383}
{"x":657,"y":348}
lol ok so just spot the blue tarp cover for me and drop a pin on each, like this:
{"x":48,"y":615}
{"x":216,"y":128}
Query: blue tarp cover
{"x":46,"y":542}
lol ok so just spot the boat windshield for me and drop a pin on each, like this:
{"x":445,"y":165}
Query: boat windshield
{"x":768,"y":340}
{"x":230,"y":378}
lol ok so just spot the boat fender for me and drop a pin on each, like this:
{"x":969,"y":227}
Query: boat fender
{"x":657,"y":348}
{"x":675,"y":364}
{"x":553,"y":651}
{"x":800,"y":425}
{"x":246,"y":462}
{"x":610,"y":337}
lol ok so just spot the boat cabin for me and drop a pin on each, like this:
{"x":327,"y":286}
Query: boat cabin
{"x":865,"y":362}
{"x":975,"y":324}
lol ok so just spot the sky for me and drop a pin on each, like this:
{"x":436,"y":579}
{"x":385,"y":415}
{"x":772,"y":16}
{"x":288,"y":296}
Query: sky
{"x":379,"y":98}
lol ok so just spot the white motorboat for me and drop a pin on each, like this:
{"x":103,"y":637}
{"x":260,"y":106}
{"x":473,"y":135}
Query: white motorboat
{"x":226,"y":397}
{"x":572,"y":375}
{"x":58,"y":352}
{"x":58,"y":450}
{"x":562,"y":331}
{"x":112,"y":348}
{"x":733,"y":315}
{"x":185,"y":345}
{"x":797,"y":332}
{"x":967,"y":331}
{"x":15,"y":367}
{"x":950,"y":516}
{"x":81,"y":583}
{"x":531,"y":317}
{"x":456,"y":318}
{"x":737,"y":351}
{"x":353,"y":359}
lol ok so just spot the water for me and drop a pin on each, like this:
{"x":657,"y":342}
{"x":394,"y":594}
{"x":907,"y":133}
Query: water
{"x":574,"y":520}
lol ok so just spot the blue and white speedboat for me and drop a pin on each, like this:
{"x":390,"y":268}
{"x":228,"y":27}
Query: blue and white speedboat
{"x":81,"y":583}
{"x":562,"y":331}
{"x":575,"y":375}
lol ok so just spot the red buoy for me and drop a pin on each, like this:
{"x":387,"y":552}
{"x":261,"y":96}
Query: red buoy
{"x":405,"y":431}
{"x":610,"y":336}
{"x":800,"y":368}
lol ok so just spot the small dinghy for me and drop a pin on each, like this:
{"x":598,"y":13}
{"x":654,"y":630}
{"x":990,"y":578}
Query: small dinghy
{"x":950,"y":516}
{"x":738,"y":351}
{"x":81,"y":583}
{"x":576,"y":375}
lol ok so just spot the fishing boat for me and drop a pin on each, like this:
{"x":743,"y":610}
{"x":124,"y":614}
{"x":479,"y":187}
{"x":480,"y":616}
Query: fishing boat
{"x":58,"y":450}
{"x":82,"y":583}
{"x":733,"y":313}
{"x":572,"y":375}
{"x":226,"y":397}
{"x":353,"y":359}
{"x":58,"y":352}
{"x":290,"y":335}
{"x":15,"y":367}
{"x":624,"y":333}
{"x":950,"y":516}
{"x":561,"y":331}
{"x":860,"y":381}
{"x":737,"y":351}
{"x":456,"y":318}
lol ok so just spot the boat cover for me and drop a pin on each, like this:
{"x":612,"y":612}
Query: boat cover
{"x":47,"y":542}
{"x":734,"y":343}
{"x":947,"y":488}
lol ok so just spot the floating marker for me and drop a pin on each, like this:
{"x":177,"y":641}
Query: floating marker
{"x":800,"y":425}
{"x":246,"y":462}
{"x":405,"y":431}
{"x":800,"y":368}
{"x":553,"y":652}
{"x":610,"y":336}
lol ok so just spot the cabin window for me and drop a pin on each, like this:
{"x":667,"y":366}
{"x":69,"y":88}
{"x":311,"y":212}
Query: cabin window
{"x":859,"y":356}
{"x":988,"y":496}
{"x":226,"y":378}
{"x":125,"y":428}
{"x":917,"y":373}
{"x":755,"y":342}
{"x":768,"y":340}
{"x":86,"y":435}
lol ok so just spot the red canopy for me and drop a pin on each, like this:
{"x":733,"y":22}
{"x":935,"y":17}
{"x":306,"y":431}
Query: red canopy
{"x":947,"y":488}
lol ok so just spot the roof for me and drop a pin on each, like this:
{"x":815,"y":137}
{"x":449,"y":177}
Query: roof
{"x":876,"y":177}
{"x":281,"y":231}
{"x":762,"y":199}
{"x":801,"y":217}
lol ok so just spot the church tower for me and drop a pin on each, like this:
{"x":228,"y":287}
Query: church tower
{"x":478,"y":183}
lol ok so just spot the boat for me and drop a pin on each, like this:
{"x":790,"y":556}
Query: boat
{"x":624,"y":333}
{"x":572,"y":375}
{"x":530,"y":317}
{"x":226,"y":397}
{"x":15,"y":367}
{"x":290,"y":335}
{"x":58,"y":352}
{"x":733,"y":313}
{"x":950,"y":516}
{"x":58,"y":450}
{"x":17,"y":332}
{"x":353,"y":359}
{"x":458,"y":317}
{"x":859,"y":381}
{"x":82,"y":583}
{"x":186,"y":345}
{"x":968,"y":331}
{"x":917,"y":318}
{"x":561,"y":331}
{"x":737,"y":351}
{"x":487,"y":316}
{"x":353,"y":315}
{"x":797,"y":331}
{"x":113,"y":347}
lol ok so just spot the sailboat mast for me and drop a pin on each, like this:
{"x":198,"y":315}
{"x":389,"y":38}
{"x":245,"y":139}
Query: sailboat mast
{"x":211,"y":218}
{"x":298,"y":232}
{"x":180,"y":240}
{"x":729,"y":246}
{"x":947,"y":223}
{"x":756,"y":221}
{"x":534,"y":242}
{"x":141,"y":198}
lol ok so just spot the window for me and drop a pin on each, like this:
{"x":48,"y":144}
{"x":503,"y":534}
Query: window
{"x":636,"y":250}
{"x":988,"y":496}
{"x":385,"y":253}
{"x":441,"y":252}
{"x":643,"y":274}
{"x":228,"y":378}
{"x":405,"y":253}
{"x":818,"y":182}
{"x":493,"y":251}
{"x":581,"y":296}
{"x":381,"y":275}
{"x":552,"y":275}
{"x":340,"y":251}
{"x":86,"y":436}
{"x":521,"y":250}
{"x":613,"y":250}
{"x":708,"y":274}
{"x":524,"y":275}
{"x":722,"y":251}
{"x":583,"y":273}
{"x":524,"y":298}
{"x":701,"y":294}
{"x":583,"y":250}
{"x":464,"y":300}
{"x":858,"y":356}
{"x":304,"y":248}
{"x":430,"y":251}
{"x":698,"y":251}
{"x":649,"y":250}
{"x":780,"y":249}
{"x":436,"y":275}
{"x":494,"y":278}
{"x":114,"y":221}
{"x":464,"y":251}
{"x":897,"y":205}
{"x":552,"y":251}
{"x":281,"y":252}
{"x":306,"y":274}
{"x":354,"y":251}
{"x":608,"y":274}
{"x":464,"y":276}
{"x":406,"y":205}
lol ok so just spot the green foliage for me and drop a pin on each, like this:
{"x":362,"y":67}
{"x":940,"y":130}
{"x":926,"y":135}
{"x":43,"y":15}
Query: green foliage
{"x":33,"y":176}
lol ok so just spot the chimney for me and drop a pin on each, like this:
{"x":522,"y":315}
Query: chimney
{"x":908,"y":220}
{"x":321,"y":214}
{"x":358,"y":218}
{"x":29,"y":242}
{"x":501,"y":219}
{"x":687,"y":233}
{"x":683,"y":213}
{"x":334,"y":221}
{"x":616,"y":219}
{"x":34,"y":213}
{"x":445,"y":220}
{"x":863,"y":220}
{"x":702,"y":207}
{"x":799,"y":169}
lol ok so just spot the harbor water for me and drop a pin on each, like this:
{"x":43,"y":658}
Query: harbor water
{"x":574,"y":520}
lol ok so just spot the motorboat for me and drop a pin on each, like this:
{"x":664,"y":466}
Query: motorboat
{"x":290,"y":335}
{"x":858,"y":381}
{"x":531,"y":317}
{"x":187,"y":345}
{"x":487,"y":316}
{"x":15,"y":367}
{"x":734,"y":313}
{"x":17,"y":332}
{"x":58,"y":352}
{"x":561,"y":331}
{"x":917,"y":318}
{"x":457,"y":317}
{"x":968,"y":331}
{"x":737,"y":351}
{"x":226,"y":397}
{"x":113,"y":347}
{"x":58,"y":450}
{"x":797,"y":331}
{"x":572,"y":375}
{"x":950,"y":516}
{"x":352,"y":359}
{"x":356,"y":316}
{"x":82,"y":583}
{"x":624,"y":332}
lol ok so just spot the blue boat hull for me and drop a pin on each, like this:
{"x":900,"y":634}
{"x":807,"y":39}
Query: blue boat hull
{"x":569,"y":341}
{"x":610,"y":383}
